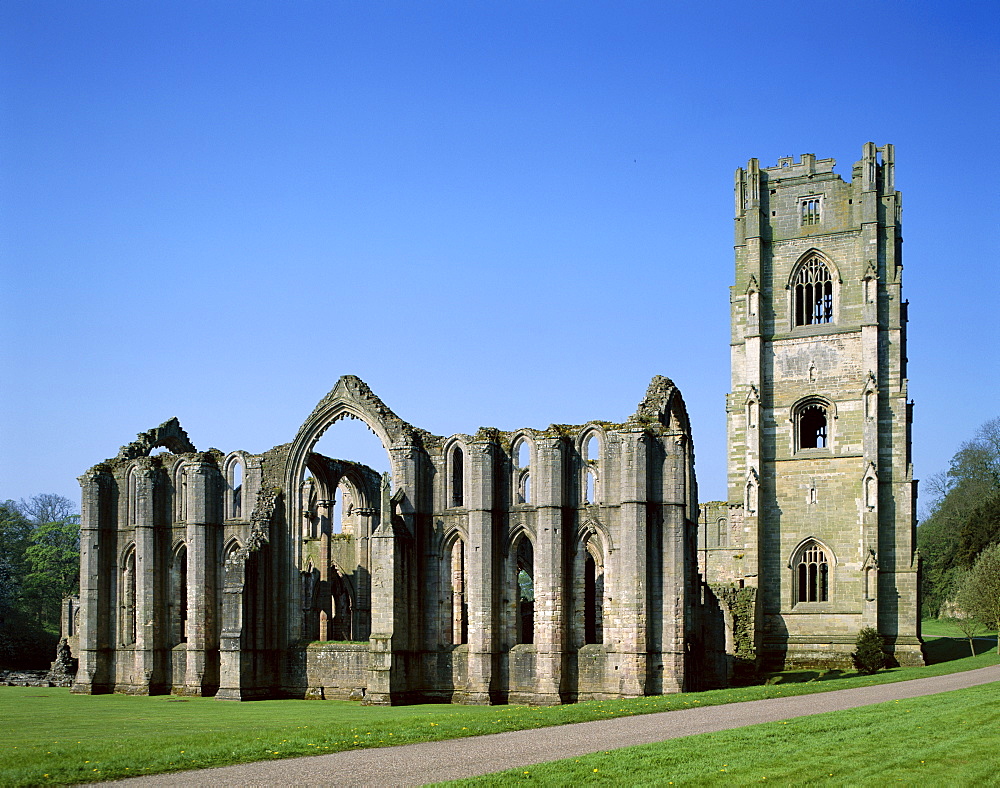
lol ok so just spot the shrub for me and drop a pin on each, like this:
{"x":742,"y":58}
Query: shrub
{"x":869,"y":656}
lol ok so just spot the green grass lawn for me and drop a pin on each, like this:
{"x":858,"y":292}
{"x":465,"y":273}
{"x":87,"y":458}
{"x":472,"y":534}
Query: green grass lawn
{"x":52,"y":736}
{"x":948,"y":739}
{"x":943,"y":628}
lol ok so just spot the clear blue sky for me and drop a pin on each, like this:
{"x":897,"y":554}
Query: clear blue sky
{"x":495,"y":213}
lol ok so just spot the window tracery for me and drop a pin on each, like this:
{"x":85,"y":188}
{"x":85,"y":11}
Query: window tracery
{"x":812,"y":574}
{"x":813,"y":293}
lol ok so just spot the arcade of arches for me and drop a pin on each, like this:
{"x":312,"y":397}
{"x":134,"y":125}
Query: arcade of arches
{"x":537,"y":566}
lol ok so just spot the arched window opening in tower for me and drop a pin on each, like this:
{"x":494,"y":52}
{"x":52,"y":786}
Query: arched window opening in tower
{"x":813,"y":427}
{"x":813,"y":293}
{"x":813,"y":574}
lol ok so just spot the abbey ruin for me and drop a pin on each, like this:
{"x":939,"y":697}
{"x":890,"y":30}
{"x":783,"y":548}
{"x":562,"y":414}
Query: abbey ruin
{"x":557,"y":564}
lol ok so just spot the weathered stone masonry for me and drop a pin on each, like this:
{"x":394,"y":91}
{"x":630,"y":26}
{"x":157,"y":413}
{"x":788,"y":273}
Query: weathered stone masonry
{"x":535,"y":566}
{"x":551,"y":565}
{"x":821,"y":510}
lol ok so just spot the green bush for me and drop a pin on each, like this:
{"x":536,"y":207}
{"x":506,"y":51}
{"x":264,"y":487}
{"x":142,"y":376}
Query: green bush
{"x":869,"y":656}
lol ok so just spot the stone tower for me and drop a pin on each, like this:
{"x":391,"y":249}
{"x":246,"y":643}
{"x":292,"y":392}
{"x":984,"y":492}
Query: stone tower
{"x":821,"y":491}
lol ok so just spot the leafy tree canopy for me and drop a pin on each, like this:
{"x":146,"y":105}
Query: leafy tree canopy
{"x":979,"y":595}
{"x":963,"y":517}
{"x":39,"y":566}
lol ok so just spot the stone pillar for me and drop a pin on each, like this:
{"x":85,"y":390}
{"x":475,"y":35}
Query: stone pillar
{"x":676,"y":609}
{"x":632,"y":569}
{"x":233,"y":663}
{"x":201,"y":568}
{"x":385,"y":581}
{"x":548,"y":480}
{"x":147,"y":632}
{"x":92,"y":674}
{"x":482,"y":576}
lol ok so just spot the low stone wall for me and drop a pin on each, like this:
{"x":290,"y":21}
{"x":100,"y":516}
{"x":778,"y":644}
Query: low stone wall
{"x":33,"y":678}
{"x":336,"y":670}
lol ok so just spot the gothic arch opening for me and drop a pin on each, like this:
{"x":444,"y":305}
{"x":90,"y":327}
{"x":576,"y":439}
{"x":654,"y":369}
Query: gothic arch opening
{"x":812,"y":565}
{"x":523,"y":591}
{"x":336,"y":475}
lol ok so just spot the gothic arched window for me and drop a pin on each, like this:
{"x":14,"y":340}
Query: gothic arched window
{"x":812,"y":574}
{"x":524,"y":591}
{"x":127,"y":600}
{"x":593,"y":596}
{"x":459,"y":605}
{"x":457,"y":477}
{"x":813,"y":293}
{"x":236,"y":489}
{"x":178,"y":602}
{"x":521,"y":456}
{"x":813,"y":427}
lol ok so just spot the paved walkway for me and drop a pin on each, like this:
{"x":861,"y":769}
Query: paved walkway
{"x":417,"y":764}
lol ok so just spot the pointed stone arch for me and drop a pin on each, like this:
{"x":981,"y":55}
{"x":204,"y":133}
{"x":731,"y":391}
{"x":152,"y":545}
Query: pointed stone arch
{"x":813,"y":288}
{"x":350,"y":398}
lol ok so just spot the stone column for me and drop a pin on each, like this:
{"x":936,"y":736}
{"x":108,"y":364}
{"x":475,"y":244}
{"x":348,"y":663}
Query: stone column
{"x":92,"y":674}
{"x":201,"y":568}
{"x":147,"y":632}
{"x":232,"y":661}
{"x":548,"y":480}
{"x":482,"y":577}
{"x":632,"y":569}
{"x":384,"y":582}
{"x":677,"y":573}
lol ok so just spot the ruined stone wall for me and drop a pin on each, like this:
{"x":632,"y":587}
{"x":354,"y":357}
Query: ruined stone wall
{"x":532,"y":566}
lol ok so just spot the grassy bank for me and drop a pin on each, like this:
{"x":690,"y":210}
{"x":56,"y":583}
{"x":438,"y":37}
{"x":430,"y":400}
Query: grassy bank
{"x":949,"y":739}
{"x":52,"y":736}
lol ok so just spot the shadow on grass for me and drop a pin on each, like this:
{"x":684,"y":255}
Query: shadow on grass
{"x":947,"y":649}
{"x":936,"y":650}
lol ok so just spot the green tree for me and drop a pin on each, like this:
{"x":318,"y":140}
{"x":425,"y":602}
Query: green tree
{"x":14,"y":532}
{"x":869,"y":656}
{"x":960,"y":520}
{"x":53,"y":563}
{"x":981,"y":529}
{"x":980,"y":595}
{"x":39,"y":565}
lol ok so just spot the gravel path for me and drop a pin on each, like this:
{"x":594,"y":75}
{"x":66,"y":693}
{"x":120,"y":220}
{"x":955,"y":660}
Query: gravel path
{"x":417,"y":764}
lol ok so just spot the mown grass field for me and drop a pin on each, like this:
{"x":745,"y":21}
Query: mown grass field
{"x":949,"y":739}
{"x":51,"y":736}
